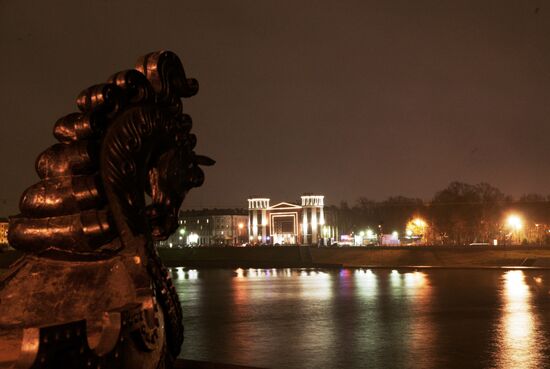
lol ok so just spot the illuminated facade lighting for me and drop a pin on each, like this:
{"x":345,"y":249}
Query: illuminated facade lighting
{"x":288,"y":223}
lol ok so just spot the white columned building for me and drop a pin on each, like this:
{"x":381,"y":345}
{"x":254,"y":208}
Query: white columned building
{"x":313,"y":218}
{"x":257,"y":222}
{"x":290,"y":224}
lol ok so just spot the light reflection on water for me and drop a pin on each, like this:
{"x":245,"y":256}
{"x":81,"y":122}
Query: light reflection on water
{"x":366,"y":318}
{"x":519,"y":346}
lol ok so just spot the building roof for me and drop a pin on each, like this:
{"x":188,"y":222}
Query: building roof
{"x":210,"y":212}
{"x":284,"y":205}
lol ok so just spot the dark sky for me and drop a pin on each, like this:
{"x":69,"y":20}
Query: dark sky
{"x":342,"y":98}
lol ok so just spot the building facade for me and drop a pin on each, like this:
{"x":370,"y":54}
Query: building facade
{"x":210,"y":227}
{"x":286,"y":223}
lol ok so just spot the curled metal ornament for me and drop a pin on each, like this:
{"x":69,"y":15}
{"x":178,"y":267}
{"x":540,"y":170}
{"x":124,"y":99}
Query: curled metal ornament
{"x":88,"y":218}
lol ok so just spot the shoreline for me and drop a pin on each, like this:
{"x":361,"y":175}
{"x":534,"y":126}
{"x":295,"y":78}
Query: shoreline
{"x":404,"y":257}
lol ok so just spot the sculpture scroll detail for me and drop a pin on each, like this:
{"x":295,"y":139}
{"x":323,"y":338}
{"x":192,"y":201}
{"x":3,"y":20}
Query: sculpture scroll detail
{"x":90,"y":274}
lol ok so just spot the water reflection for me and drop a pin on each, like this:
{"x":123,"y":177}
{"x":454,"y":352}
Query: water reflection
{"x":315,"y":285}
{"x":181,"y":273}
{"x":366,"y":282}
{"x":357,"y":318}
{"x":518,"y":346}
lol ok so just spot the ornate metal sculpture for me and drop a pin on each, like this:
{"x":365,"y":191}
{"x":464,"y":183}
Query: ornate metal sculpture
{"x":91,"y":291}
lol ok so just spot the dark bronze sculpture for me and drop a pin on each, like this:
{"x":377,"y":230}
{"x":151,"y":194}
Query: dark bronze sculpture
{"x":91,"y":291}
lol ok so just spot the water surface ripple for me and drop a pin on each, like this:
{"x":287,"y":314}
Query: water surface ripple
{"x":362,"y":318}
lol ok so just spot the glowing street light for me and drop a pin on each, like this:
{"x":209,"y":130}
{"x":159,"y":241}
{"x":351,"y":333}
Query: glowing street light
{"x":514,"y":222}
{"x":417,"y":226}
{"x":419,"y":222}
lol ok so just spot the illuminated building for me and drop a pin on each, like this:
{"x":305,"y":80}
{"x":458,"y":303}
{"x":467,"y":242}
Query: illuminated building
{"x":290,"y":224}
{"x":209,"y":227}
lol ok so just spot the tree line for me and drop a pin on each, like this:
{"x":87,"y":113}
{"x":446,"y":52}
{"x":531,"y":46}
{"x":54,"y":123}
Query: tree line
{"x":459,"y":214}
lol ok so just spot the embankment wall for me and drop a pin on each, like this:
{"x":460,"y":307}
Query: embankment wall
{"x":306,"y":256}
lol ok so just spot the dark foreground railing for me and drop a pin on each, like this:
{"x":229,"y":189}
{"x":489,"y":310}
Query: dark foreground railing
{"x":193,"y":364}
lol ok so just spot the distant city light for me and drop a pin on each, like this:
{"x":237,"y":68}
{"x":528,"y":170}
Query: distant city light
{"x":416,"y":227}
{"x":419,"y":222}
{"x":395,"y":234}
{"x":370,"y":234}
{"x":514,"y":222}
{"x":362,"y":234}
{"x":192,"y":238}
{"x":182,"y":231}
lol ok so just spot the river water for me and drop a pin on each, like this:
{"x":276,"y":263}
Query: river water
{"x":362,"y":318}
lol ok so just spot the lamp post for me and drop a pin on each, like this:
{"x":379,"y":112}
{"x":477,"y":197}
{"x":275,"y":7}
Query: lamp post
{"x":515,"y":223}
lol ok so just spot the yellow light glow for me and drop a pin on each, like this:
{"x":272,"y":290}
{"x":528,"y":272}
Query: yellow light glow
{"x":241,"y":226}
{"x":416,"y":227}
{"x":419,"y":222}
{"x":514,"y":222}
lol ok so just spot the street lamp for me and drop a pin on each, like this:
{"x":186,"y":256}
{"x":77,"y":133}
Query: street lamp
{"x":515,"y":223}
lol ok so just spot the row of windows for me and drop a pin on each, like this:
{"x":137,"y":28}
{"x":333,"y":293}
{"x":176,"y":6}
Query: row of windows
{"x":225,"y":222}
{"x":184,"y":221}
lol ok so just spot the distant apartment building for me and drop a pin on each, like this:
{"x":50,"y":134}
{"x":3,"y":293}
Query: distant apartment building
{"x":286,"y":223}
{"x":210,"y":227}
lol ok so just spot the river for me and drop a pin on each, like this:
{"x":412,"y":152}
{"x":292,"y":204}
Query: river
{"x":363,"y":318}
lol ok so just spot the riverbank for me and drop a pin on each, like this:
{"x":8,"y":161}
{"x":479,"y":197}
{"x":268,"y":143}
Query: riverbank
{"x":382,"y":257}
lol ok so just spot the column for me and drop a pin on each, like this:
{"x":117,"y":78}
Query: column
{"x":304,"y":226}
{"x":264,"y":225}
{"x":314,"y":226}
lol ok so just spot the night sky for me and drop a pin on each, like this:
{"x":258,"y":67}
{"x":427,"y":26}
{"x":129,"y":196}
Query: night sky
{"x":341,"y":98}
